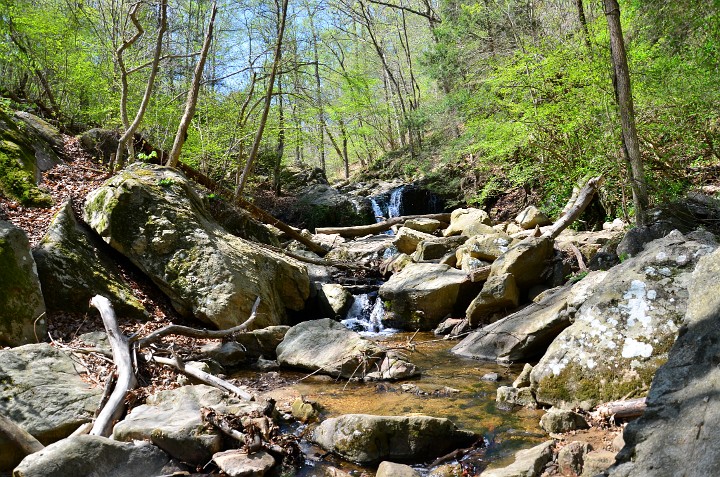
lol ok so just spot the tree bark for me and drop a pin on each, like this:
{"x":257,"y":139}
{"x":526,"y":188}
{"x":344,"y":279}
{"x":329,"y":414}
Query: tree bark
{"x":126,"y":381}
{"x":579,"y":204}
{"x":583,"y":24}
{"x":622,"y":409}
{"x":268,"y":98}
{"x":627,"y":114}
{"x":22,"y":438}
{"x":192,"y":97}
{"x":206,"y":378}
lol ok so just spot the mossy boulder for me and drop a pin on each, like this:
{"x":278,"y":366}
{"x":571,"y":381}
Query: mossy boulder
{"x":74,"y":266}
{"x":23,"y":156}
{"x":152,"y":215}
{"x":21,"y":301}
{"x":368,"y":440}
{"x":623,"y":331}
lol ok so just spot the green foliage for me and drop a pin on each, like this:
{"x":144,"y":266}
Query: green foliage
{"x":166,"y":182}
{"x":141,"y":156}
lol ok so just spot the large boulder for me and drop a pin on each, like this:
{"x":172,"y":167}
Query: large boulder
{"x":526,"y":260}
{"x":677,"y":434}
{"x":24,"y":154}
{"x":74,"y":266}
{"x":423,"y":294}
{"x":47,"y":133}
{"x":468,"y":222}
{"x":42,"y":391}
{"x":500,"y":292}
{"x":152,"y":215}
{"x":622,"y":333}
{"x":487,"y":247}
{"x":95,"y":456}
{"x":526,"y":334}
{"x":320,"y":205}
{"x":172,"y":421}
{"x":532,"y":217}
{"x":21,"y":301}
{"x":368,"y":440}
{"x":364,"y":251}
{"x":438,"y":247}
{"x":528,"y":462}
{"x":407,"y":239}
{"x":328,"y":346}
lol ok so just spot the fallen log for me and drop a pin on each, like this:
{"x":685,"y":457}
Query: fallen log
{"x":126,"y":380}
{"x":19,"y":436}
{"x":379,"y":227}
{"x":254,"y":210}
{"x":623,"y":409}
{"x":575,"y":207}
{"x":204,"y":377}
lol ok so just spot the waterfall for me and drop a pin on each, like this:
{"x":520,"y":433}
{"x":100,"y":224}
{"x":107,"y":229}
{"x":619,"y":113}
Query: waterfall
{"x":395,"y":205}
{"x":377,"y":210}
{"x":366,"y":314}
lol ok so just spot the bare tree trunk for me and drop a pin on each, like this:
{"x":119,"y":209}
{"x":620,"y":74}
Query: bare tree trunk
{"x":627,"y":113}
{"x":268,"y":98}
{"x":583,"y":24}
{"x":192,"y":97}
{"x":280,"y":149}
{"x":19,"y":436}
{"x":127,"y":136}
{"x":318,"y":93}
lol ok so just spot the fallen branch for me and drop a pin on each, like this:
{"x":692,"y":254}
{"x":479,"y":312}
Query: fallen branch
{"x":322,"y":262}
{"x":575,"y":207}
{"x":379,"y":227}
{"x":19,"y":436}
{"x":195,"y":333}
{"x":126,"y":380}
{"x":204,"y":377}
{"x":623,"y":409}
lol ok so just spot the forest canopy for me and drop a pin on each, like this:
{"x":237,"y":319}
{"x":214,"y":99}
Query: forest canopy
{"x":478,"y":96}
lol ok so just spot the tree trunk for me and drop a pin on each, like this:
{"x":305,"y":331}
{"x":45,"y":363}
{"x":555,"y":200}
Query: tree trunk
{"x":583,"y":24}
{"x":192,"y":97}
{"x":627,"y":114}
{"x":268,"y":98}
{"x":360,"y":230}
{"x":280,"y":149}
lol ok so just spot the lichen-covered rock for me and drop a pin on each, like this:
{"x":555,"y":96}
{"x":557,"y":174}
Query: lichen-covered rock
{"x":526,"y":334}
{"x":508,"y":395}
{"x":562,"y":420}
{"x":677,"y":433}
{"x":331,"y":348}
{"x":21,"y":301}
{"x":623,"y":331}
{"x":102,"y":143}
{"x":468,"y":222}
{"x":531,"y":217}
{"x":172,"y":421}
{"x":41,"y":391}
{"x":152,"y":215}
{"x":423,"y":294}
{"x":526,"y":260}
{"x":498,"y":293}
{"x":368,"y":440}
{"x":95,"y":456}
{"x":407,"y":239}
{"x":47,"y":133}
{"x":571,"y":458}
{"x":73,"y":267}
{"x":320,"y":205}
{"x":488,"y":247}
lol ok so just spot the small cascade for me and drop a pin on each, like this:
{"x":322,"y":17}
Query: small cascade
{"x":377,"y":210}
{"x":366,"y":314}
{"x":395,"y":205}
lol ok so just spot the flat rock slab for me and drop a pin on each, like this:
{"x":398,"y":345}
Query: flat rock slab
{"x":368,"y":440}
{"x":172,"y":421}
{"x":41,"y":391}
{"x":236,"y":463}
{"x":94,"y":456}
{"x":528,"y":462}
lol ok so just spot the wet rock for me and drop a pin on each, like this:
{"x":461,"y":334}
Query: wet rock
{"x":368,"y":440}
{"x":557,"y":421}
{"x":528,"y":462}
{"x":532,"y":217}
{"x":328,"y":346}
{"x":526,"y":334}
{"x":95,"y":456}
{"x":407,"y":239}
{"x":423,"y":294}
{"x":437,"y":247}
{"x":678,"y":431}
{"x":422,"y":224}
{"x":452,"y":327}
{"x":74,"y":266}
{"x":571,"y":458}
{"x":335,"y":299}
{"x":468,"y":222}
{"x":527,"y":260}
{"x":628,"y":323}
{"x":508,"y":396}
{"x":494,"y":377}
{"x":523,"y":379}
{"x":499,"y":292}
{"x":152,"y":215}
{"x":172,"y":421}
{"x":305,"y":411}
{"x":237,"y":463}
{"x":21,"y":300}
{"x":50,"y":402}
{"x":391,"y":469}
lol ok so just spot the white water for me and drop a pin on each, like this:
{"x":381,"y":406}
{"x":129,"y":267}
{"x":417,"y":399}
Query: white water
{"x":365,"y":316}
{"x":394,"y":207}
